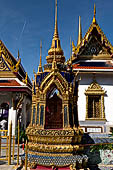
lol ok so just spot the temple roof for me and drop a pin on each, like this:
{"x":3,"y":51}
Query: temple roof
{"x":13,"y":85}
{"x":11,"y":67}
{"x":94,"y":45}
{"x":92,"y":65}
{"x":9,"y":83}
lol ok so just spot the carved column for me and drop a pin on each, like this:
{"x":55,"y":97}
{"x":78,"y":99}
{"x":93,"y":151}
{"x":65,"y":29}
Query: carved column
{"x":37,"y":114}
{"x":65,"y":116}
{"x":42,"y":115}
{"x":34,"y":113}
{"x":103,"y":113}
{"x":86,"y":106}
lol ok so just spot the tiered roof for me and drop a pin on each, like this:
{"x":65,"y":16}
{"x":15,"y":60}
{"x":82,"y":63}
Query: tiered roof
{"x":94,"y":46}
{"x":12,"y":73}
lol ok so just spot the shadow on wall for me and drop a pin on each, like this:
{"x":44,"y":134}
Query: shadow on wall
{"x":93,"y":157}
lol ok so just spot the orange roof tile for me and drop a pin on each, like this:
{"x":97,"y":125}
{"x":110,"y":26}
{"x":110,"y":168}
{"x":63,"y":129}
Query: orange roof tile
{"x":9,"y":83}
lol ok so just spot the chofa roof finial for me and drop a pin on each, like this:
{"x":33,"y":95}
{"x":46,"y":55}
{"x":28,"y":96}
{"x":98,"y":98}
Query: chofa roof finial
{"x":94,"y":16}
{"x":79,"y":32}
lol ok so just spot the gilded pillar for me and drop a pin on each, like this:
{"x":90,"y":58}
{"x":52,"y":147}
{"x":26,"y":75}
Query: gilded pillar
{"x":31,"y":116}
{"x":42,"y":115}
{"x":66,"y":116}
{"x":100,"y":108}
{"x":34,"y":112}
{"x":86,"y":106}
{"x":37,"y":114}
{"x":103,"y":113}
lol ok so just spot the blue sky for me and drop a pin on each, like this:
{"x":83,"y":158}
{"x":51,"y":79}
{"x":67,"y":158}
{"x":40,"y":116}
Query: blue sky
{"x":23,"y":23}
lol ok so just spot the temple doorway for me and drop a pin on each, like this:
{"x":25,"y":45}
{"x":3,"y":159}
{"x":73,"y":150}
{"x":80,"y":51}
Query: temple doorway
{"x":53,"y":114}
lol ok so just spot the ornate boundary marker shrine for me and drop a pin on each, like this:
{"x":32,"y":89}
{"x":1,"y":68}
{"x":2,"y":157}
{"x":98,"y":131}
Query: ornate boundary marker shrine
{"x":54,"y":134}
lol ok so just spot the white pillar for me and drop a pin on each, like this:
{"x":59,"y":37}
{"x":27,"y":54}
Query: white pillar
{"x":12,"y":117}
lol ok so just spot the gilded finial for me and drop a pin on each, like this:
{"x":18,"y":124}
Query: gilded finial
{"x":73,"y":47}
{"x":26,"y":78}
{"x":40,"y":64}
{"x":40,"y":54}
{"x":56,"y":27}
{"x":94,"y":16}
{"x":17,"y":65}
{"x":55,"y":46}
{"x":79,"y":32}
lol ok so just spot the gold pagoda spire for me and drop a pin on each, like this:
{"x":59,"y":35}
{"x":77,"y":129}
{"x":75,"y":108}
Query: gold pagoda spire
{"x":79,"y":32}
{"x":56,"y":27}
{"x":40,"y":64}
{"x":55,"y":47}
{"x":94,"y":16}
{"x":40,"y":54}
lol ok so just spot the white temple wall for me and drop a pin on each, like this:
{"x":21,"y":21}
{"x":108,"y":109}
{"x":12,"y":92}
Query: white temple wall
{"x":6,"y":97}
{"x":108,"y":99}
{"x":81,"y":103}
{"x":105,"y":81}
{"x":12,"y":118}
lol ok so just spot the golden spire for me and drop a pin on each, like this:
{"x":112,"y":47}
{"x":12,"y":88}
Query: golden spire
{"x":54,"y":64}
{"x":40,"y":64}
{"x":55,"y":47}
{"x":56,"y":27}
{"x":40,"y":54}
{"x":79,"y":32}
{"x":94,"y":16}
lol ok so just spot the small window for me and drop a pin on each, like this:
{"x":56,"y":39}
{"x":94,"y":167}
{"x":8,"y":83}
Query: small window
{"x":94,"y":110}
{"x":95,"y":101}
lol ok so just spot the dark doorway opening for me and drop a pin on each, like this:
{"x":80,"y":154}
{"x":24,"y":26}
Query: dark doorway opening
{"x":4,"y":111}
{"x":53,"y":113}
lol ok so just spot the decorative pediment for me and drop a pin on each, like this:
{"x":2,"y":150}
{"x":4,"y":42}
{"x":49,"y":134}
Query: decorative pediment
{"x":54,"y":78}
{"x":3,"y":65}
{"x":94,"y":46}
{"x":11,"y":62}
{"x":94,"y":89}
{"x":93,"y":43}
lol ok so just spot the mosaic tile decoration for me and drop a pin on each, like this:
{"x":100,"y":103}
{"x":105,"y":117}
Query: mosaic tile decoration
{"x":57,"y":161}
